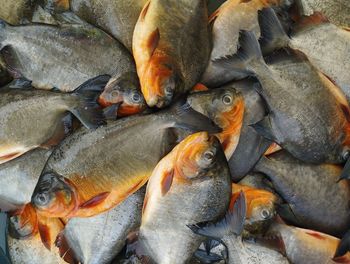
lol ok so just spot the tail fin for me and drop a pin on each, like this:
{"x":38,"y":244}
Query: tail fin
{"x":187,"y":118}
{"x":232,"y":223}
{"x":273,"y":35}
{"x":343,"y":247}
{"x":89,"y":112}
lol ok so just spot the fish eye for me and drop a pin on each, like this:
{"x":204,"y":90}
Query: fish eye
{"x":136,"y":98}
{"x":114,"y":93}
{"x":227,"y":99}
{"x":209,"y":155}
{"x":42,"y":199}
{"x":265,"y":214}
{"x":345,"y":155}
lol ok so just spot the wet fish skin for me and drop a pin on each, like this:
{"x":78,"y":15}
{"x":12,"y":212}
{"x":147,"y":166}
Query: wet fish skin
{"x":115,"y":17}
{"x":231,"y":17}
{"x":100,"y":238}
{"x":314,"y":197}
{"x":170,"y":51}
{"x":336,"y":11}
{"x":32,"y":51}
{"x":21,"y":175}
{"x":198,"y":191}
{"x":76,"y":183}
{"x":305,"y":246}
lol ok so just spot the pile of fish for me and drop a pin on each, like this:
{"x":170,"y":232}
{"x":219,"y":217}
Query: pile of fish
{"x":155,"y":131}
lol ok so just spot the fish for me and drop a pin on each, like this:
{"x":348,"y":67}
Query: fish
{"x":94,"y":170}
{"x":260,"y":207}
{"x":124,"y":92}
{"x":118,"y":18}
{"x":45,"y":116}
{"x":170,"y":51}
{"x":310,"y":123}
{"x":21,"y":175}
{"x":251,"y":145}
{"x":225,"y":106}
{"x":227,"y":231}
{"x":100,"y":238}
{"x":16,"y":12}
{"x":226,"y":22}
{"x":190,"y":184}
{"x":314,"y":199}
{"x":303,"y":245}
{"x":51,"y":56}
{"x":337,"y":12}
{"x":326,"y":45}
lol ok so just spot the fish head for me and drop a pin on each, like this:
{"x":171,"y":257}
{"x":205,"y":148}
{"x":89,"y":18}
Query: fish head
{"x":54,"y":196}
{"x":197,"y":155}
{"x":125,"y":92}
{"x":160,"y":82}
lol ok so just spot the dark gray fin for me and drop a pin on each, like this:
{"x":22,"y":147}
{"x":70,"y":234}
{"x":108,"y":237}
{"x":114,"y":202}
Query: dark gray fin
{"x":345,"y":174}
{"x":343,"y":247}
{"x":11,"y":62}
{"x":273,"y":35}
{"x":206,"y":258}
{"x":40,"y":15}
{"x":69,"y":17}
{"x":286,"y":213}
{"x":187,"y":118}
{"x":21,"y":83}
{"x":89,"y":112}
{"x":231,"y":224}
{"x":64,"y":249}
{"x":209,"y":244}
{"x":111,"y":112}
{"x":264,"y":128}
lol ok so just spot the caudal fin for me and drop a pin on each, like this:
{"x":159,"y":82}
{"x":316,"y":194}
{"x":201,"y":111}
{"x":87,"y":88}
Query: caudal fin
{"x":273,"y":35}
{"x":89,"y":113}
{"x":231,"y":224}
{"x":185,"y":117}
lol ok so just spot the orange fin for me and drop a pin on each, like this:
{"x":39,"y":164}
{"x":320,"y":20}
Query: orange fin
{"x":65,"y":250}
{"x":167,"y":181}
{"x":199,"y":87}
{"x":49,"y":228}
{"x":95,"y":200}
{"x":153,"y":41}
{"x":144,"y":11}
{"x":23,"y":222}
{"x":315,"y":19}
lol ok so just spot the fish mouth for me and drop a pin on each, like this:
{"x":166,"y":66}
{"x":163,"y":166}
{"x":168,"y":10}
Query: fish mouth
{"x":128,"y":109}
{"x":105,"y":99}
{"x":23,"y":224}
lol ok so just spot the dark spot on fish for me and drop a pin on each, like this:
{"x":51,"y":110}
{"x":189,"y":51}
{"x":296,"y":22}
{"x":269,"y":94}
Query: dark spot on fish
{"x":95,"y":200}
{"x":316,"y":235}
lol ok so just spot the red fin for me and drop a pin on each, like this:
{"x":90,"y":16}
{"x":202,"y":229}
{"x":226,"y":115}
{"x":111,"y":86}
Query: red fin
{"x":199,"y":87}
{"x":144,"y":11}
{"x":153,"y":41}
{"x":166,"y":181}
{"x":315,"y":19}
{"x":343,"y":259}
{"x":316,"y":235}
{"x":95,"y":200}
{"x":49,"y":228}
{"x":65,"y":250}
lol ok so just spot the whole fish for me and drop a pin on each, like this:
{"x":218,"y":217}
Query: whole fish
{"x":260,"y":207}
{"x":326,"y":46}
{"x":117,"y":18}
{"x":191,"y":184}
{"x":170,"y":47}
{"x":315,"y":200}
{"x":19,"y":177}
{"x":124,"y":91}
{"x":228,"y":230}
{"x":30,"y":118}
{"x":100,"y":238}
{"x":231,"y":17}
{"x":51,"y":56}
{"x":336,"y":11}
{"x":32,"y":251}
{"x":16,"y":12}
{"x":94,"y":170}
{"x":304,"y":246}
{"x":311,"y":123}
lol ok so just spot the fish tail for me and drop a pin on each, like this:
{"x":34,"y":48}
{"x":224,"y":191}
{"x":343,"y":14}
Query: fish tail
{"x":273,"y":35}
{"x":231,"y":224}
{"x":183,"y":116}
{"x":88,"y":111}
